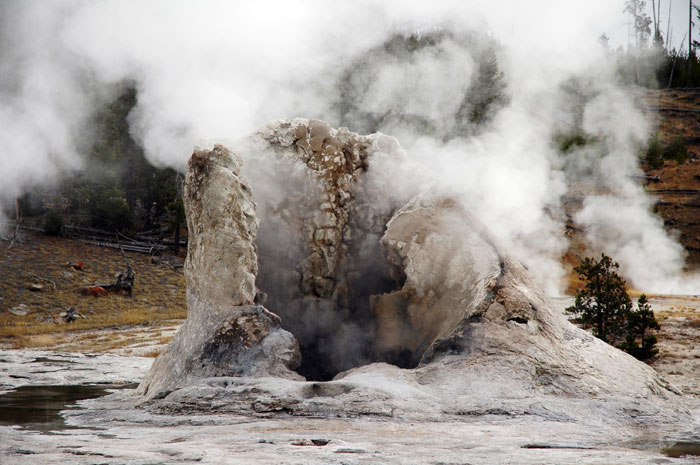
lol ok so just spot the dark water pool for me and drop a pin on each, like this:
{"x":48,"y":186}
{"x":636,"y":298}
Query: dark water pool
{"x":38,"y":407}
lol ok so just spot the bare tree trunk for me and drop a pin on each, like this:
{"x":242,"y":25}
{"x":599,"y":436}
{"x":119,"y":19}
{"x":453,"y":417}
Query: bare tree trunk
{"x":18,"y":221}
{"x":673,"y":66}
{"x":668,"y":25}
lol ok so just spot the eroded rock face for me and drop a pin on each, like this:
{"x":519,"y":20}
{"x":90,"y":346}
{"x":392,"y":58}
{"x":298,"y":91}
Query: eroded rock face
{"x":319,"y":246}
{"x":226,"y":333}
{"x":448,"y":268}
{"x":362,"y":272}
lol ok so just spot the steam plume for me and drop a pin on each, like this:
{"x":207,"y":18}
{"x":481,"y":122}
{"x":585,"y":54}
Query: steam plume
{"x":220,"y":70}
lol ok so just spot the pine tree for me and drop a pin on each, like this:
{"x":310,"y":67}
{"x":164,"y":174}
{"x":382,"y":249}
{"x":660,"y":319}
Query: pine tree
{"x":638,"y":323}
{"x":604,"y":304}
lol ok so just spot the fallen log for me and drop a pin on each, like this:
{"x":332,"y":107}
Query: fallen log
{"x":145,"y":248}
{"x":647,"y":177}
{"x":670,"y":109}
{"x":44,"y":279}
{"x":674,"y":191}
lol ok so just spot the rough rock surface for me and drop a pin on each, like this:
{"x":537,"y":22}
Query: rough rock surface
{"x":226,"y":333}
{"x":480,"y":335}
{"x":328,"y":226}
{"x":110,"y":431}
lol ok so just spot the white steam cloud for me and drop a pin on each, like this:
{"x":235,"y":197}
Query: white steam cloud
{"x":221,"y":70}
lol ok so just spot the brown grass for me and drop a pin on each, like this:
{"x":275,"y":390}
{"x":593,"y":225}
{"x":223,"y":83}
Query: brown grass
{"x":159,"y":292}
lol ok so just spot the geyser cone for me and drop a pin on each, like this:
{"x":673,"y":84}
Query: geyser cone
{"x":363,"y":270}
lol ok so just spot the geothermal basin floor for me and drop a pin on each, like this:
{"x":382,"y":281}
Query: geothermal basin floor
{"x":84,"y":434}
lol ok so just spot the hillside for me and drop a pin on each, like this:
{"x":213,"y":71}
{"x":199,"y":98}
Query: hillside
{"x":677,"y":113}
{"x":159,"y":290}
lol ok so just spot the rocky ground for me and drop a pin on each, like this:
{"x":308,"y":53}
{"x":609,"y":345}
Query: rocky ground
{"x":679,"y":349}
{"x":109,"y":432}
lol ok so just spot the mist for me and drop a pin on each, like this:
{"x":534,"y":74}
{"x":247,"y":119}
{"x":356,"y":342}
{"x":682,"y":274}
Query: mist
{"x":222,"y":70}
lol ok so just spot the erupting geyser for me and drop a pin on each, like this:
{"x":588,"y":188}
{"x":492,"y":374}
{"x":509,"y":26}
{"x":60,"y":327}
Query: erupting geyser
{"x":337,"y":269}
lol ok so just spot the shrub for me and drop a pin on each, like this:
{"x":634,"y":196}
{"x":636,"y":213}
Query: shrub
{"x":54,"y":224}
{"x":676,"y":150}
{"x":654,"y":155}
{"x":567,"y":142}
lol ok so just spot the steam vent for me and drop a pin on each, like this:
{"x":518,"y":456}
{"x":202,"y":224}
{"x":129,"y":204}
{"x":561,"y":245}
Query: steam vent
{"x":337,"y":280}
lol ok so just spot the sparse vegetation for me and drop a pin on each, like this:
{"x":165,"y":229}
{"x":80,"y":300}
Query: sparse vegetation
{"x":654,"y":153}
{"x":569,"y":142}
{"x":638,"y":342}
{"x":676,"y":150}
{"x":159,"y":293}
{"x":604,"y":304}
{"x":54,"y":224}
{"x":118,"y":189}
{"x":479,"y":96}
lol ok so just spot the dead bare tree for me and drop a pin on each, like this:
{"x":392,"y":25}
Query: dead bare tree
{"x":690,"y":37}
{"x":18,"y":216}
{"x":124,"y":282}
{"x":668,"y":25}
{"x":673,"y":65}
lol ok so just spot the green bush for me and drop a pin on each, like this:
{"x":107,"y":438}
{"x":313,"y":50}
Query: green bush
{"x":654,"y":155}
{"x":568,"y":142}
{"x":54,"y":224}
{"x":108,"y":208}
{"x":676,"y":150}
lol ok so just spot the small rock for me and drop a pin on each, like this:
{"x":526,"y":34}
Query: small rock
{"x":19,"y":310}
{"x":347,"y":450}
{"x":67,"y":274}
{"x":17,"y":450}
{"x":34,"y":287}
{"x":310,"y":442}
{"x":49,"y":319}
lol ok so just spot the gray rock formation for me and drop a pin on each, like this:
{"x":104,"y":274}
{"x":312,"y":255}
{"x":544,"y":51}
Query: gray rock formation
{"x":225,"y":333}
{"x":364,"y":271}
